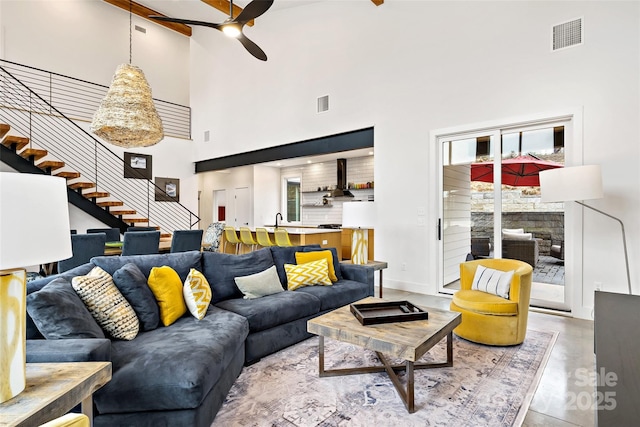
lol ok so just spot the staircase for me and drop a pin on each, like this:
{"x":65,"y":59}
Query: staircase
{"x":35,"y":137}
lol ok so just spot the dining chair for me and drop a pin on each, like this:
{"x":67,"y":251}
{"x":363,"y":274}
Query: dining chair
{"x":138,"y":228}
{"x":113,"y":234}
{"x":141,"y":243}
{"x":186,"y":240}
{"x":83,"y":247}
{"x":69,"y":420}
{"x":230,"y":236}
{"x":247,"y":238}
{"x":262,"y":237}
{"x":282,"y":237}
{"x":211,"y":239}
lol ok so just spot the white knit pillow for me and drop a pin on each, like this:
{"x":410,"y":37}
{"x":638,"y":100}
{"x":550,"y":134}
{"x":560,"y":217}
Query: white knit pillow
{"x":492,"y":281}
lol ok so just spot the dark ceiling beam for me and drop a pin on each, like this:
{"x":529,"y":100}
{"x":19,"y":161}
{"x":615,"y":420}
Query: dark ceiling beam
{"x":347,"y":141}
{"x":144,"y":12}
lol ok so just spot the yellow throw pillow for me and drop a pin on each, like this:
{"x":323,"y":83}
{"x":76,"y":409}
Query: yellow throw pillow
{"x":307,"y":274}
{"x":167,"y":288}
{"x":106,"y":304}
{"x":197,"y":294}
{"x":303,"y":257}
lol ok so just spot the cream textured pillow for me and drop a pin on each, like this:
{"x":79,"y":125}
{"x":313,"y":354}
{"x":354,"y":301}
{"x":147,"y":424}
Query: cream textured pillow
{"x":307,"y":274}
{"x":197,"y":294}
{"x":492,"y":281}
{"x":517,"y":236}
{"x":259,"y":284}
{"x":106,"y":304}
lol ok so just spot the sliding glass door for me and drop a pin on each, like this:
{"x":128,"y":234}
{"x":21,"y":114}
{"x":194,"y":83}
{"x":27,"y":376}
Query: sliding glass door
{"x":490,"y":205}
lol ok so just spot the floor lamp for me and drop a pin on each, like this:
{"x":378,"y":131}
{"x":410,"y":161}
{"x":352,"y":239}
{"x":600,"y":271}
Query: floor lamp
{"x":34,"y":229}
{"x":359,"y":216}
{"x":575,"y":184}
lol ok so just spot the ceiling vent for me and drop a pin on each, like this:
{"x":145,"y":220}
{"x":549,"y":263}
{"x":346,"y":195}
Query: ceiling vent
{"x":323,"y":104}
{"x":567,"y":34}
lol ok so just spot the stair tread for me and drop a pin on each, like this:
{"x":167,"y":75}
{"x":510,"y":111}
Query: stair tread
{"x":135,"y":220}
{"x":96,"y":194}
{"x":68,"y":174}
{"x":50,"y":164}
{"x":110,"y":203}
{"x":4,"y":128}
{"x":36,"y":153}
{"x":18,"y":141}
{"x":123,"y":212}
{"x":77,"y":185}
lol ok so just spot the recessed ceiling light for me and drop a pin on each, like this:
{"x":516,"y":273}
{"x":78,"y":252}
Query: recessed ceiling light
{"x":278,"y":164}
{"x":308,"y":161}
{"x":371,"y":153}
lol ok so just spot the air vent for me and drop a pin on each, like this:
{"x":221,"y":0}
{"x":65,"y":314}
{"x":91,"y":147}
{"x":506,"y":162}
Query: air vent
{"x":323,"y":104}
{"x":567,"y":34}
{"x":141,"y":29}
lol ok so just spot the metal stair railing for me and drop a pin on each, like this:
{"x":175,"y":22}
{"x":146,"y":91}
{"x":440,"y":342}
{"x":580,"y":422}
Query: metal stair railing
{"x":79,"y":99}
{"x":48,"y":128}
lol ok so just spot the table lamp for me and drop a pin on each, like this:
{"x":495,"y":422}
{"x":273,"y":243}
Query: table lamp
{"x":34,"y":229}
{"x":574,"y":184}
{"x":360,"y":216}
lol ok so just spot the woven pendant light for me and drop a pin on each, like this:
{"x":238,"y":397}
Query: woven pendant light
{"x":127,"y":116}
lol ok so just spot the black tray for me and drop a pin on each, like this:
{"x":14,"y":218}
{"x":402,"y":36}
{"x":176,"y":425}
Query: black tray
{"x":387,"y":312}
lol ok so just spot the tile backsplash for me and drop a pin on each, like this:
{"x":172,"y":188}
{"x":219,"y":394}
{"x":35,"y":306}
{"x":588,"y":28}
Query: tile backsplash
{"x":321,"y":175}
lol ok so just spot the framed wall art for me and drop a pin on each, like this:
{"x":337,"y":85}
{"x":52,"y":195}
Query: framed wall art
{"x":137,"y":166}
{"x":167,"y":189}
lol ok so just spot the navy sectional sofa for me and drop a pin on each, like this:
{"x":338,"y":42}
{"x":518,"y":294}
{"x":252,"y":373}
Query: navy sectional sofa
{"x":180,"y":375}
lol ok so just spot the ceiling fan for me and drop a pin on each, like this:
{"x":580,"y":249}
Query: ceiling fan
{"x":232,"y":27}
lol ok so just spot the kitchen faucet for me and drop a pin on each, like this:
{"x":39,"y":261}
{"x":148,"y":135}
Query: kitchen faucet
{"x":278,"y":215}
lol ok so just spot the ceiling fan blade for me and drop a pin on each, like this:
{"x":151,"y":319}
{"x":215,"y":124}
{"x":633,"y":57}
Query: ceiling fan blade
{"x":185,"y":21}
{"x":253,"y":10}
{"x":253,"y":48}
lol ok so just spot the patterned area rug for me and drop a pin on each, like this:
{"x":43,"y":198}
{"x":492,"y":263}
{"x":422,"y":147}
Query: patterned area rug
{"x":487,"y":386}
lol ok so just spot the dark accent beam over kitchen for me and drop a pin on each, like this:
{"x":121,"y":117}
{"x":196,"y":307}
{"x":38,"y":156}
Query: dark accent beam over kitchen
{"x":352,"y":140}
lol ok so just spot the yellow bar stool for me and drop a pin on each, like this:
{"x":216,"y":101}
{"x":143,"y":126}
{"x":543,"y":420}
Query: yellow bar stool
{"x":282,"y":237}
{"x":230,"y":236}
{"x":247,"y":239}
{"x":262,"y":236}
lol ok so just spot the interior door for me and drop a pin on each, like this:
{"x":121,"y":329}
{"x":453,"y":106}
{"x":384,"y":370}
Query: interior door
{"x":242,"y":208}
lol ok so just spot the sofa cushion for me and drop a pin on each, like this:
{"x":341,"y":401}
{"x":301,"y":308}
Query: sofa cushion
{"x":167,"y":288}
{"x":273,"y":310}
{"x":307,"y":274}
{"x":181,"y":262}
{"x":308,"y":256}
{"x":172,"y":368}
{"x":286,"y":255}
{"x":260,"y":284}
{"x":59,"y":313}
{"x":106,"y":304}
{"x":341,"y":293}
{"x":221,"y":270}
{"x":197,"y":294}
{"x":335,"y":258}
{"x":133,"y":285}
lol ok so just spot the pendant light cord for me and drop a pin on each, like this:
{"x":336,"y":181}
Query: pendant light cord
{"x":130,"y":35}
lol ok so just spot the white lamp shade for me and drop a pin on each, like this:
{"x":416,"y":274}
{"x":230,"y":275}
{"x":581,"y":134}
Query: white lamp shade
{"x":34,"y":220}
{"x":358,"y":215}
{"x":571,"y":183}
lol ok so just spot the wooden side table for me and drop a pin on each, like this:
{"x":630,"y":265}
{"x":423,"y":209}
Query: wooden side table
{"x":52,"y":390}
{"x":377,"y":266}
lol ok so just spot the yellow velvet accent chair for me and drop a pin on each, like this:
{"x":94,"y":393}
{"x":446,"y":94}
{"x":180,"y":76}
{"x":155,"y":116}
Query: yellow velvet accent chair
{"x":491,"y":319}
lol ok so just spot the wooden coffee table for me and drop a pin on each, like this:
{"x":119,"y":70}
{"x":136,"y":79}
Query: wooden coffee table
{"x":402,"y":340}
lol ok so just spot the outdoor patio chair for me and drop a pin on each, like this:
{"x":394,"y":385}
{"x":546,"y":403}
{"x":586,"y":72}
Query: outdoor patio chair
{"x":557,"y":250}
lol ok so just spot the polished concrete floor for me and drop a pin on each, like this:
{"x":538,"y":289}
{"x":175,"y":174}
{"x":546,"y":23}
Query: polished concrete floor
{"x":564,"y":396}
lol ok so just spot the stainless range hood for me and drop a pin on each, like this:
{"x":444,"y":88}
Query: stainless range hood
{"x":341,"y":187}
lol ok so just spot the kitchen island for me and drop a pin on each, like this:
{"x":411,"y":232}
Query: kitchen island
{"x":326,"y":238}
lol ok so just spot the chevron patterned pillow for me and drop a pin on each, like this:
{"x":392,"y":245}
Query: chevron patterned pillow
{"x":197,"y":293}
{"x":307,"y":274}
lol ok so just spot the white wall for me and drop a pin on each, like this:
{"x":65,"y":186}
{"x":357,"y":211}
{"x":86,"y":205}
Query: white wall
{"x":409,"y":67}
{"x":266,"y":195}
{"x":88,"y":39}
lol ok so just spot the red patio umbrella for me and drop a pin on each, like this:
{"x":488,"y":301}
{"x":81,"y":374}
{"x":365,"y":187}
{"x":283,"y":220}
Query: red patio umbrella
{"x":519,"y":171}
